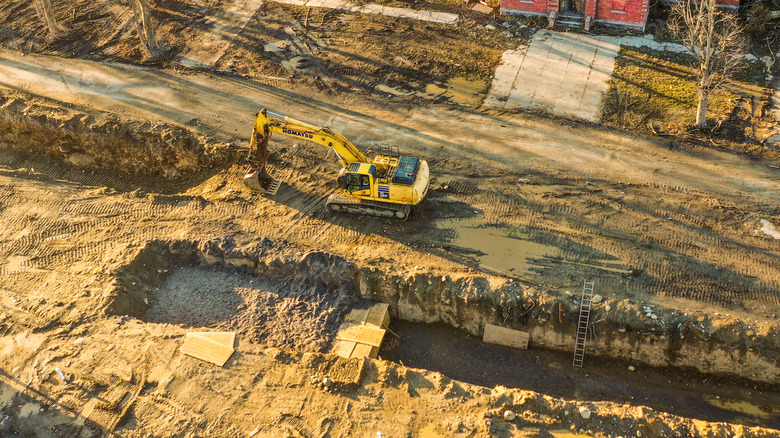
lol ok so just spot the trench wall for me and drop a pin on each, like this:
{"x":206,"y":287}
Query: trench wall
{"x":622,"y":328}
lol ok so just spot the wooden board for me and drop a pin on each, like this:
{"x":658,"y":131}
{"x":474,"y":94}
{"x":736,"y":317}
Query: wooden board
{"x":363,"y":350}
{"x":344,"y":348}
{"x":378,"y":315}
{"x":227,"y":339}
{"x":362,"y":334}
{"x":202,"y":345}
{"x":357,"y":316}
{"x":495,"y":334}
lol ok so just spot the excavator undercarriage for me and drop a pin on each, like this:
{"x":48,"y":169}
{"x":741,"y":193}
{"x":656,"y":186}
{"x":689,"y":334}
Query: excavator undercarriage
{"x":339,"y":203}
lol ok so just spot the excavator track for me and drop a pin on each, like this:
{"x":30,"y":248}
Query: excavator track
{"x":339,"y":203}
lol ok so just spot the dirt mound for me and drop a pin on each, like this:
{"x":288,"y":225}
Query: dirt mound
{"x":44,"y":129}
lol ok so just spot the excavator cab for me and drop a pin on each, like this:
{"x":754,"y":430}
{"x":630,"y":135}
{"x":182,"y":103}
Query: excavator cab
{"x":359,"y":179}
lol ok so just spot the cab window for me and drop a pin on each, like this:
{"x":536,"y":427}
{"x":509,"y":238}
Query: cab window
{"x":356,"y":182}
{"x":352,"y":182}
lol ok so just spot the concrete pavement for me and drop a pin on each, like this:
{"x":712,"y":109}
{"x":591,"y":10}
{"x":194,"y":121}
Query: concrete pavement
{"x":565,"y":74}
{"x":223,"y":29}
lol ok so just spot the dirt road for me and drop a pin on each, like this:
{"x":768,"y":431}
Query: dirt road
{"x":226,"y":106}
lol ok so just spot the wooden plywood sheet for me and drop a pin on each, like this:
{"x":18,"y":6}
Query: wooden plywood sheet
{"x":357,"y":316}
{"x":378,"y":315}
{"x":227,"y":339}
{"x":495,"y":334}
{"x":362,"y":334}
{"x":204,"y":347}
{"x":344,"y":348}
{"x":363,"y":350}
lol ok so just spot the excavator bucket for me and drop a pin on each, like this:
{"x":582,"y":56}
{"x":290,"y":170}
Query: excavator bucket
{"x":260,"y":181}
{"x":258,"y":178}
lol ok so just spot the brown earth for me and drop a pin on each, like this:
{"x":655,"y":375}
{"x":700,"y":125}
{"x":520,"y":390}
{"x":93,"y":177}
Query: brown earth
{"x":126,"y":226}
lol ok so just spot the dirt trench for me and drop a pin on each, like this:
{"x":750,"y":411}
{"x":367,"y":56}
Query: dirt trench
{"x":324,"y":286}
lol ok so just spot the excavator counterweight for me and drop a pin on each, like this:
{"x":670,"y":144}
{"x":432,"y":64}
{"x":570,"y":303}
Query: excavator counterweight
{"x":388,"y":185}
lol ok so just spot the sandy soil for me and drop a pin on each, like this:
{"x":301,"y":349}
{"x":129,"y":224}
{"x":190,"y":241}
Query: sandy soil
{"x":120,"y":194}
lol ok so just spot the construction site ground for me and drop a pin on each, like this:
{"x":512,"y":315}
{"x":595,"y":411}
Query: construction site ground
{"x":126,"y":225}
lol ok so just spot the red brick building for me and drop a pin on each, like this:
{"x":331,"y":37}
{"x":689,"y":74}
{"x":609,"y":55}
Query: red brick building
{"x":628,"y":13}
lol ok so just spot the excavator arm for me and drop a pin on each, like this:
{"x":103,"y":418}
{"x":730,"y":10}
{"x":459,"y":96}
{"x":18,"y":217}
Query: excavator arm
{"x":265,"y":125}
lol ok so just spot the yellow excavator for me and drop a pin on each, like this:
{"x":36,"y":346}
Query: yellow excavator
{"x":388,"y":185}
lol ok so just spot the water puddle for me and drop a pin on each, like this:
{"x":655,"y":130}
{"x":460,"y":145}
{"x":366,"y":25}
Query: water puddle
{"x":277,"y":46}
{"x":512,"y":250}
{"x":744,"y":407}
{"x":29,"y":409}
{"x":297,"y":63}
{"x":458,"y":90}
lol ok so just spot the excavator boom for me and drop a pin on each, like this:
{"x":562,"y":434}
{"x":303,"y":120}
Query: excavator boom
{"x":344,"y":149}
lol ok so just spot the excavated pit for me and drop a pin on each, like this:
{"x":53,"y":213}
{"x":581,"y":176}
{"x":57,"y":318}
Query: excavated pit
{"x":265,"y":288}
{"x":180,"y":283}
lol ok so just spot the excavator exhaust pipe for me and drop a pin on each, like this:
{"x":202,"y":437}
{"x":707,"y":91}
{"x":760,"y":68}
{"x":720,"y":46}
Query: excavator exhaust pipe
{"x":261,"y":181}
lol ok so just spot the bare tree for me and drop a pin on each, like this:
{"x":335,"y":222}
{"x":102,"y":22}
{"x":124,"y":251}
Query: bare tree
{"x":715,"y":38}
{"x":143,"y":22}
{"x":45,"y":11}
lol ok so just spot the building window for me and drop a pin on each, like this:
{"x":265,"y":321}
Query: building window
{"x":619,"y":6}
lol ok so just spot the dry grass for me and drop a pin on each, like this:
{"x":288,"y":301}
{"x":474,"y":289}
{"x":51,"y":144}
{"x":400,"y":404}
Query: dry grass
{"x":651,"y":88}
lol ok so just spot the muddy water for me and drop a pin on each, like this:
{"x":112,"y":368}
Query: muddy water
{"x":459,"y":90}
{"x":750,"y":409}
{"x":511,"y":251}
{"x":28,"y":409}
{"x":680,"y":392}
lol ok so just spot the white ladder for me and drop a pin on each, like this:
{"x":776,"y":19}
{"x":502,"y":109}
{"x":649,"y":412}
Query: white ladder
{"x":582,"y":325}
